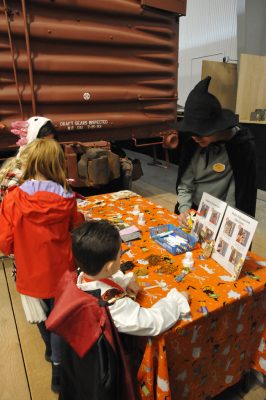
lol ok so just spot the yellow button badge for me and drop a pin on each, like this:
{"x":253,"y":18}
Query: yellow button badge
{"x":218,"y":167}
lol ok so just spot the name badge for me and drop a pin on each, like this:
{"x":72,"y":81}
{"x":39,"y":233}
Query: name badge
{"x":218,"y":167}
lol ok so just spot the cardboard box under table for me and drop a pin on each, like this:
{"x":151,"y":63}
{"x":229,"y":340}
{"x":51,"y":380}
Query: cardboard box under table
{"x":226,"y":336}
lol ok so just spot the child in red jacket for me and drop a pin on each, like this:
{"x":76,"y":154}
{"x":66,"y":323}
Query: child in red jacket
{"x":36,"y":219}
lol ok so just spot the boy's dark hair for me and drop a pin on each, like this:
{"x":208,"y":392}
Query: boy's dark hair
{"x":94,"y":244}
{"x":46,"y":130}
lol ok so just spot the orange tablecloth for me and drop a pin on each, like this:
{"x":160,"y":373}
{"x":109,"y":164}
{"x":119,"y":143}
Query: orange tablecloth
{"x":227,"y":333}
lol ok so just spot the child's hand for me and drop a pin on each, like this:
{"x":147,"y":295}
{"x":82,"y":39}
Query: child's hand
{"x":183,"y":219}
{"x":187,"y":296}
{"x":133,"y":288}
{"x":87,"y":215}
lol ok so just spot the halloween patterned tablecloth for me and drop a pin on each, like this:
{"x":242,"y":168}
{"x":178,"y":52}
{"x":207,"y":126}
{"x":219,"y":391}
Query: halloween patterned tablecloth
{"x":226,"y":335}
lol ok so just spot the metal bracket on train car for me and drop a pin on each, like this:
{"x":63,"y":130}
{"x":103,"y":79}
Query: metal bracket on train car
{"x":135,"y":140}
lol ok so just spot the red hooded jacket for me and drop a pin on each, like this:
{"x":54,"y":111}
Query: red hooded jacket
{"x":36,"y":219}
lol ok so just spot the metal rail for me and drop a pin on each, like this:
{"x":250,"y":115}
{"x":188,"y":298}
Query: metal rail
{"x":27,"y":38}
{"x":13,"y":58}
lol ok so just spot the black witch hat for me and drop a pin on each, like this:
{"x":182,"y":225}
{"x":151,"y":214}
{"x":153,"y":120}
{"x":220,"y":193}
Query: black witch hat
{"x":203,"y":114}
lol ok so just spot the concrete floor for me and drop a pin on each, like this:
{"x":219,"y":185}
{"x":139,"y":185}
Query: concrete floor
{"x":158,"y":184}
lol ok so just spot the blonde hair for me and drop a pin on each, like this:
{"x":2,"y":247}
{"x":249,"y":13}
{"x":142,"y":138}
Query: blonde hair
{"x":14,"y":164}
{"x":45,"y":158}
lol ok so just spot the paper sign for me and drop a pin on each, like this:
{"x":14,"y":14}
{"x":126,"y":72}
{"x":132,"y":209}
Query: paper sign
{"x":233,"y":240}
{"x":209,"y":217}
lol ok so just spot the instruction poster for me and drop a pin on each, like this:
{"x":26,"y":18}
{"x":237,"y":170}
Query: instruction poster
{"x":233,"y":241}
{"x":209,"y":217}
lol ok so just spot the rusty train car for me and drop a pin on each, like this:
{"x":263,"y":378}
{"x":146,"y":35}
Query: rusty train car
{"x":100,"y":70}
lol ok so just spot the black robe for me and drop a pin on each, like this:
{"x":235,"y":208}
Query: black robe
{"x":242,"y":157}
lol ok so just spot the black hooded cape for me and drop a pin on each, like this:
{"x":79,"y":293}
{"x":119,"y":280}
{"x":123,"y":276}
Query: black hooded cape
{"x":93,"y":360}
{"x":242,"y":157}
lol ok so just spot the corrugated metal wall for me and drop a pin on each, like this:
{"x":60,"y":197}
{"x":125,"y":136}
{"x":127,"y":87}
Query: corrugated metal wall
{"x":107,"y":68}
{"x":208,"y":31}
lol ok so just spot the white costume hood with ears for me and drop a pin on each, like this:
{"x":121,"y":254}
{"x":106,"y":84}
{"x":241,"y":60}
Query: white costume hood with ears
{"x":28,"y":130}
{"x":35,"y":124}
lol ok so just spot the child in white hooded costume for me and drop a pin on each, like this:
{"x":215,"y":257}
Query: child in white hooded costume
{"x":27,"y":131}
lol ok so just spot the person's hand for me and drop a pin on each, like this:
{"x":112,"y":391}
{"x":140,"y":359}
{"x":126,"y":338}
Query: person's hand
{"x":187,"y":296}
{"x":87,"y":215}
{"x":183,"y":219}
{"x":133,"y":288}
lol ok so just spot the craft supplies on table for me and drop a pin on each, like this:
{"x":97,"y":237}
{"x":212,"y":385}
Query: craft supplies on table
{"x":188,"y":261}
{"x":173,"y":239}
{"x":130,"y":233}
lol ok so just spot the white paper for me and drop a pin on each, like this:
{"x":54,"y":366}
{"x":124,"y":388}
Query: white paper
{"x":209,"y":217}
{"x":233,"y":240}
{"x":123,"y":194}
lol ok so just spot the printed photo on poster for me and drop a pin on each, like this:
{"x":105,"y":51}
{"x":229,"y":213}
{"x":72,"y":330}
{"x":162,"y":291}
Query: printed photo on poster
{"x":203,"y":210}
{"x":208,"y":234}
{"x":235,"y":256}
{"x":214,"y":218}
{"x":229,"y":227}
{"x":198,"y":227}
{"x":222,"y":247}
{"x":242,"y":236}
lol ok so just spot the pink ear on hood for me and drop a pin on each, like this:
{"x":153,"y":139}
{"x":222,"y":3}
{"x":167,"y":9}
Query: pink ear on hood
{"x":20,"y":128}
{"x":28,"y":130}
{"x":22,"y":142}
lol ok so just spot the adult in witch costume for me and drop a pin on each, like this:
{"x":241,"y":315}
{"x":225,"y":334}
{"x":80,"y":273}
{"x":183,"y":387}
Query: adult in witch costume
{"x":217,"y":155}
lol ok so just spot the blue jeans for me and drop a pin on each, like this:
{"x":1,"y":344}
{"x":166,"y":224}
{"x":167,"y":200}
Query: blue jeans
{"x":51,"y":340}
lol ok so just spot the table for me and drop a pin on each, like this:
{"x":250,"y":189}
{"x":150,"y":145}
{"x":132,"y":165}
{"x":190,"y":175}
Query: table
{"x":227,"y":333}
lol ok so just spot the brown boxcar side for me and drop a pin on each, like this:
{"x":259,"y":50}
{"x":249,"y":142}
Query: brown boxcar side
{"x":99,"y":69}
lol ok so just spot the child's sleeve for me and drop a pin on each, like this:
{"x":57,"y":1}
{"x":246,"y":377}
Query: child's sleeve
{"x":6,"y":231}
{"x":130,"y":318}
{"x":185,"y":190}
{"x":122,"y":279}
